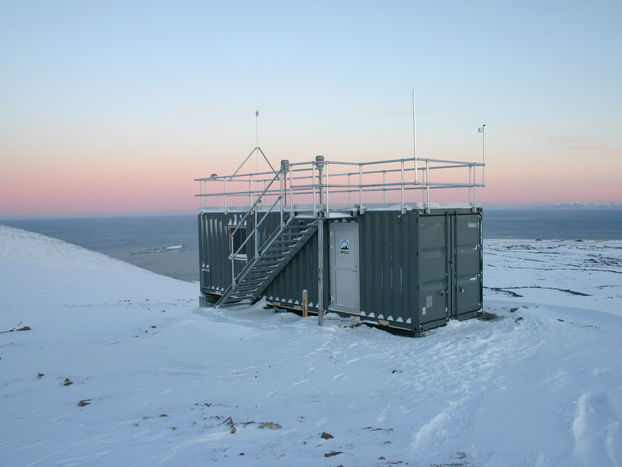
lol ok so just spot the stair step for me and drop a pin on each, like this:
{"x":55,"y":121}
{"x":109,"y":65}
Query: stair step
{"x":245,"y":294}
{"x":259,"y":270}
{"x":268,"y":262}
{"x":253,"y":282}
{"x":260,"y":277}
{"x":263,"y":272}
{"x":284,"y":245}
{"x":245,"y":290}
{"x":235,"y":299}
{"x":259,"y":273}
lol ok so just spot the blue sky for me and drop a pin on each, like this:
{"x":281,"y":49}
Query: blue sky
{"x":153,"y":88}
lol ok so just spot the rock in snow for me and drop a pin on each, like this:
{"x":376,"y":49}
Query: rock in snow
{"x":543,"y":390}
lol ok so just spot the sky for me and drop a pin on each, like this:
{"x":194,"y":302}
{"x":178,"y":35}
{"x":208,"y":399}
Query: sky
{"x":113,"y":108}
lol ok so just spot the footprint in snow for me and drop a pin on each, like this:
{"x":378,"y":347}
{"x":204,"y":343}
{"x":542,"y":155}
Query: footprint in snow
{"x":597,"y":431}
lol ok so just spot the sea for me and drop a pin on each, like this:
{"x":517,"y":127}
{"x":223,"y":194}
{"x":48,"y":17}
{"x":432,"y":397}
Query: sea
{"x":168,"y":245}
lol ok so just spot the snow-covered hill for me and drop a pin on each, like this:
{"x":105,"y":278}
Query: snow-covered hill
{"x":120,"y":367}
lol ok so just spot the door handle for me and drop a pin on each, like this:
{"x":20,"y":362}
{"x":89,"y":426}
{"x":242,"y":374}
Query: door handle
{"x":461,"y":289}
{"x":442,"y":292}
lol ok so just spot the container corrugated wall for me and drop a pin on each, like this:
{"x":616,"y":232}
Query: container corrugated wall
{"x":214,"y":263}
{"x":388,"y":266}
{"x":416,"y":270}
{"x":300,"y":274}
{"x":215,"y":274}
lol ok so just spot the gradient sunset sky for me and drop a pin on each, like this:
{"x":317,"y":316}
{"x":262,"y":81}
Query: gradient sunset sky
{"x":111,"y":108}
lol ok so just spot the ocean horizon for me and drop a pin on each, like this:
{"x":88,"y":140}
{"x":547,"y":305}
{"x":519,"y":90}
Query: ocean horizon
{"x":168,"y":244}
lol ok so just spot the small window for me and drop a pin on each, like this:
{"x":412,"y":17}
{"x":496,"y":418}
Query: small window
{"x":238,"y":239}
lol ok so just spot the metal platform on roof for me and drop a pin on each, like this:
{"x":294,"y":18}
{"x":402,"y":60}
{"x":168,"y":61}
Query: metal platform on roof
{"x":323,"y":185}
{"x":308,"y":209}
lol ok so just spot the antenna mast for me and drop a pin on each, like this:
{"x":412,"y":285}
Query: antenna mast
{"x":415,"y":137}
{"x":257,"y":140}
{"x":256,"y":128}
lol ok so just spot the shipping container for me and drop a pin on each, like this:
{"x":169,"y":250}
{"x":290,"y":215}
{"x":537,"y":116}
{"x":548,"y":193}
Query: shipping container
{"x":310,"y":238}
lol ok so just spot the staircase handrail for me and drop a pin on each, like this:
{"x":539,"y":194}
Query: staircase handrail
{"x":248,"y":237}
{"x":250,"y":210}
{"x":251,"y":264}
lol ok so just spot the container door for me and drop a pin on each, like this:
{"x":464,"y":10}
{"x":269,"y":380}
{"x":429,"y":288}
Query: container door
{"x":468,"y":263}
{"x":433,"y":268}
{"x":344,"y":267}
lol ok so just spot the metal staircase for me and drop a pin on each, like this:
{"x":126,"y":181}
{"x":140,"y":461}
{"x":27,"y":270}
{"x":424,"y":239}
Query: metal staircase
{"x":265,"y":266}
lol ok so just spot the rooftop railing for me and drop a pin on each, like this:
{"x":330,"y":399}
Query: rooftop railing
{"x":324,"y":186}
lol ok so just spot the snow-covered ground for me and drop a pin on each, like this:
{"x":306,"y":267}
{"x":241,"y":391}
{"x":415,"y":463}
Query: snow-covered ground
{"x":162,"y":381}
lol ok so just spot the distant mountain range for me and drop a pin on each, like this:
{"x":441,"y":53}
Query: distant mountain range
{"x":575,"y":205}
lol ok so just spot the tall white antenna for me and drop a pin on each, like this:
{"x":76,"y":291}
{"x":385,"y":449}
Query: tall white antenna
{"x":257,"y":140}
{"x":415,"y":136}
{"x":256,"y":128}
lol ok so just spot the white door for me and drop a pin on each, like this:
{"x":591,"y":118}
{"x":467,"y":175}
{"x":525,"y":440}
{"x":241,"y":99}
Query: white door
{"x":344,"y":267}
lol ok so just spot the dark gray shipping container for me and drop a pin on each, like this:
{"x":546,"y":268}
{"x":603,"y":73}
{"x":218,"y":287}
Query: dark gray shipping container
{"x":319,"y":227}
{"x":412,"y":269}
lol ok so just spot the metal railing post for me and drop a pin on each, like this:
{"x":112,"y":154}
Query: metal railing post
{"x":319,"y":163}
{"x":232,"y":257}
{"x":283,"y":178}
{"x":320,"y":272}
{"x":360,"y":188}
{"x":402,"y":185}
{"x":327,"y":210}
{"x":314,"y":190}
{"x":470,"y":184}
{"x":256,"y":239}
{"x":225,"y":189}
{"x":384,"y":186}
{"x":474,"y":187}
{"x":250,"y":190}
{"x":281,"y":195}
{"x":427,"y":185}
{"x":291,"y":193}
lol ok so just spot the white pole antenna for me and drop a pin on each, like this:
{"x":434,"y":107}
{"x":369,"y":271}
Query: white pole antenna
{"x":256,"y":128}
{"x":257,"y":140}
{"x":415,"y":136}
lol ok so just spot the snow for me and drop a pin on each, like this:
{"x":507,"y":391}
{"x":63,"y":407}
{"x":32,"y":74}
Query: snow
{"x":167,"y":382}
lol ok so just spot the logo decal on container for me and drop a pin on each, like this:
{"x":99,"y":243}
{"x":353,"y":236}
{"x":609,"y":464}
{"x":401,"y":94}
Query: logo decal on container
{"x":344,"y":247}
